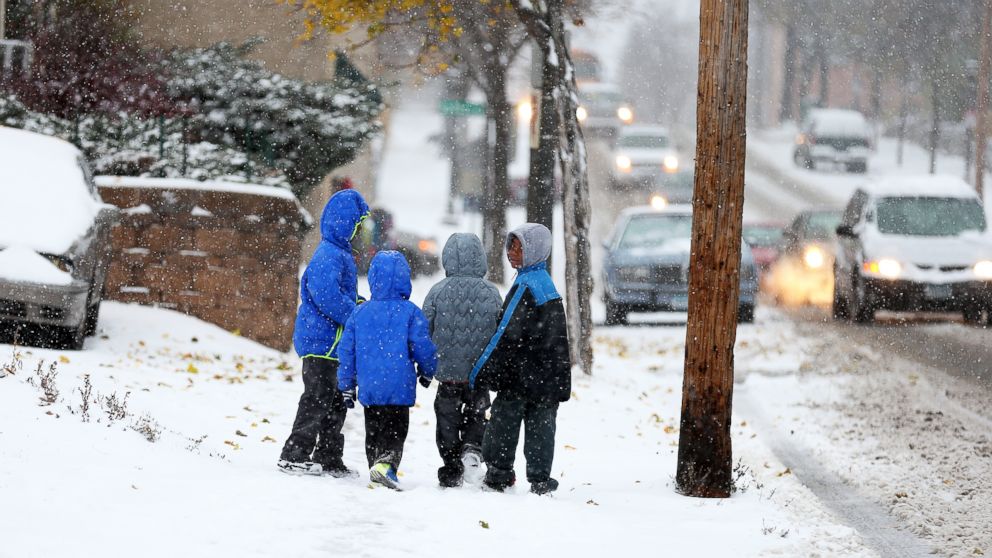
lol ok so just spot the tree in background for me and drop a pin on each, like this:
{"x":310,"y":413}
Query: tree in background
{"x":87,"y":59}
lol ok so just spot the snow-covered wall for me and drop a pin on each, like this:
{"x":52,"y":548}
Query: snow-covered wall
{"x":227,"y":254}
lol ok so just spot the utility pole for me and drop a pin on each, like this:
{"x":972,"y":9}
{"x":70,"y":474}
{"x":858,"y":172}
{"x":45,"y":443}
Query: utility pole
{"x":3,"y":19}
{"x":983,"y":107}
{"x":541,"y":194}
{"x":705,"y":459}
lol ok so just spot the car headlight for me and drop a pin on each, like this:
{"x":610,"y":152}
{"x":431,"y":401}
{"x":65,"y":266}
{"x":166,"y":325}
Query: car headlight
{"x":886,"y":267}
{"x":427,"y":245}
{"x":623,"y":163}
{"x":61,"y":262}
{"x":581,"y":114}
{"x":525,"y":111}
{"x":658,"y":202}
{"x":983,"y":269}
{"x":625,"y":114}
{"x":813,"y":257}
{"x":671,"y":163}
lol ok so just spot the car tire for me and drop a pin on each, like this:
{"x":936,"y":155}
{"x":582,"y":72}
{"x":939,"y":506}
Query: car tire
{"x":856,"y":168}
{"x":71,"y":338}
{"x":862,"y":309}
{"x":841,"y":308}
{"x":974,"y":316}
{"x":616,"y":314}
{"x":745,"y":314}
{"x":92,"y":318}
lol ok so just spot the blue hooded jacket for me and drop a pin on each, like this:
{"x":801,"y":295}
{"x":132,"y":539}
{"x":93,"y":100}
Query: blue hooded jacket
{"x":385,"y":337}
{"x":329,"y":286}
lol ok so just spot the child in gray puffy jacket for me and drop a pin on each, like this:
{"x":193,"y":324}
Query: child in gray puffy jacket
{"x":462,"y":311}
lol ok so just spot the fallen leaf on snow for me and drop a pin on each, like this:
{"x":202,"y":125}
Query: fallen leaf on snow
{"x":233,"y":444}
{"x":568,"y":447}
{"x":483,"y":524}
{"x":63,"y":359}
{"x":240,"y":433}
{"x":268,"y":439}
{"x":592,"y":502}
{"x":787,"y":471}
{"x":192,"y":369}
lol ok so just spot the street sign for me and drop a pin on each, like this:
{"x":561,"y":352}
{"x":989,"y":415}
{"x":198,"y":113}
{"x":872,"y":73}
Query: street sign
{"x":454,"y":107}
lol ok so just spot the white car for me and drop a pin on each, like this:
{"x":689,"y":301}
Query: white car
{"x":602,"y":109}
{"x":643,"y":156}
{"x":54,"y":238}
{"x":913,"y":244}
{"x":835,"y":137}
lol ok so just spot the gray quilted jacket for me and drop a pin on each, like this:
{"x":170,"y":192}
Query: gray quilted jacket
{"x":463,"y":309}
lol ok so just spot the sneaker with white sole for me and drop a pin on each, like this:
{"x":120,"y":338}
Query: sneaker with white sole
{"x":308,"y":468}
{"x":384,"y":474}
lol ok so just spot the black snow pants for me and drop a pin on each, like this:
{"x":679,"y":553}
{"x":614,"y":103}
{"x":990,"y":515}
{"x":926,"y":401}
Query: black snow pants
{"x":386,"y":427}
{"x":320,"y":416}
{"x":499,"y":447}
{"x":461,"y":423}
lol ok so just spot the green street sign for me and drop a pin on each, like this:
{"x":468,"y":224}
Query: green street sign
{"x":452,"y":107}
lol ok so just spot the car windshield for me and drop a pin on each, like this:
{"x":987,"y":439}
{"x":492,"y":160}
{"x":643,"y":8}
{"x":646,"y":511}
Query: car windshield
{"x":920,"y":216}
{"x":601,"y":98}
{"x":762,"y":236}
{"x":822,"y":224}
{"x":652,"y":230}
{"x":644,"y":142}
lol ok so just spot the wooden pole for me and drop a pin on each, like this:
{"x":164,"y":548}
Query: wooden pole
{"x":982,"y":104}
{"x":705,"y":459}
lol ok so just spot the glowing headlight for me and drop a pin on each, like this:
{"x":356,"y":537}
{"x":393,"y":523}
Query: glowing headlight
{"x":623,"y":163}
{"x":888,"y":268}
{"x":658,"y":202}
{"x":426,"y":245}
{"x":671,"y":163}
{"x":814,"y":257}
{"x":581,"y":114}
{"x":983,"y":269}
{"x":625,"y":114}
{"x":525,"y":111}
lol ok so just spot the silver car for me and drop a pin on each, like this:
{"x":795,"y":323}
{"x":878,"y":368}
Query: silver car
{"x":54,"y":239}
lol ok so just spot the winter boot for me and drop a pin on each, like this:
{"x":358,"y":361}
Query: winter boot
{"x":338,"y":470}
{"x":498,"y":481}
{"x":544,"y":487}
{"x":385,"y":475}
{"x":472,"y":463}
{"x":299,"y":468}
{"x":449,"y":476}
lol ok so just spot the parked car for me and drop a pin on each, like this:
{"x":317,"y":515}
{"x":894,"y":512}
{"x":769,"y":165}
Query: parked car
{"x":802,"y":272}
{"x":765,"y":241}
{"x":54,"y":238}
{"x":643,"y":156}
{"x":836,"y":137}
{"x":646,"y":267}
{"x":602,"y":109}
{"x":377,"y":233}
{"x":914,"y":244}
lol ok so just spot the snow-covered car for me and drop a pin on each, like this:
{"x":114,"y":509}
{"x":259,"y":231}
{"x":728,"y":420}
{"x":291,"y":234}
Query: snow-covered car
{"x":646,"y":266}
{"x":643,"y":156}
{"x":602,"y":109}
{"x":54,"y":238}
{"x":913,"y":243}
{"x":836,"y":137}
{"x":802,"y":273}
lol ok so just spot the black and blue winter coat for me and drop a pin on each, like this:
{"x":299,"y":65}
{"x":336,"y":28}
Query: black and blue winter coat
{"x":385,"y":337}
{"x":528,"y":357}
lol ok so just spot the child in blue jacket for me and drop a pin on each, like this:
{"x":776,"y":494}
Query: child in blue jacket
{"x":382,"y":341}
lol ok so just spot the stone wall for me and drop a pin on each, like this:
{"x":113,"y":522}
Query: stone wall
{"x":226,"y":253}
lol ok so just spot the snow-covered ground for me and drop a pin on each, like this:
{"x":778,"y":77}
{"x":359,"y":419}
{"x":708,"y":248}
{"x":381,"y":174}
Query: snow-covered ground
{"x":188,"y":467}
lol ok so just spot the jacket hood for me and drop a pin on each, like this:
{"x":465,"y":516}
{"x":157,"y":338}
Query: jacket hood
{"x":463,"y":256}
{"x":389,"y":276}
{"x":342,"y":214}
{"x":535,"y":239}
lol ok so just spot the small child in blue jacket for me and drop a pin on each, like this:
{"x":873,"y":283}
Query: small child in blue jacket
{"x":382,"y":341}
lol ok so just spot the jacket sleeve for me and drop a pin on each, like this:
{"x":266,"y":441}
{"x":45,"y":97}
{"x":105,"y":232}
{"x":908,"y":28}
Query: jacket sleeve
{"x":421,"y":347}
{"x":430,"y":310}
{"x":326,"y":289}
{"x":347,"y":372}
{"x":553,"y":345}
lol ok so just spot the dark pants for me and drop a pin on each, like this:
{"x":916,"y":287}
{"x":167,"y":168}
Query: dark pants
{"x":499,"y":447}
{"x":461,"y":423}
{"x":320,"y":416}
{"x":385,"y":433}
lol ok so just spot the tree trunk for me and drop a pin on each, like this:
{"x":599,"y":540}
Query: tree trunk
{"x":903,"y":115}
{"x":705,"y":456}
{"x":824,"y":67}
{"x":499,"y":120}
{"x":982,"y":104}
{"x":787,"y":109}
{"x":935,"y":124}
{"x":541,"y":192}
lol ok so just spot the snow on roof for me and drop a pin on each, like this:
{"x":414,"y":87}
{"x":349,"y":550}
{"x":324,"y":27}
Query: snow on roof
{"x":644,"y":130}
{"x":189,"y":184}
{"x":46,"y":200}
{"x":21,"y":264}
{"x":841,"y":122}
{"x":931,"y":185}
